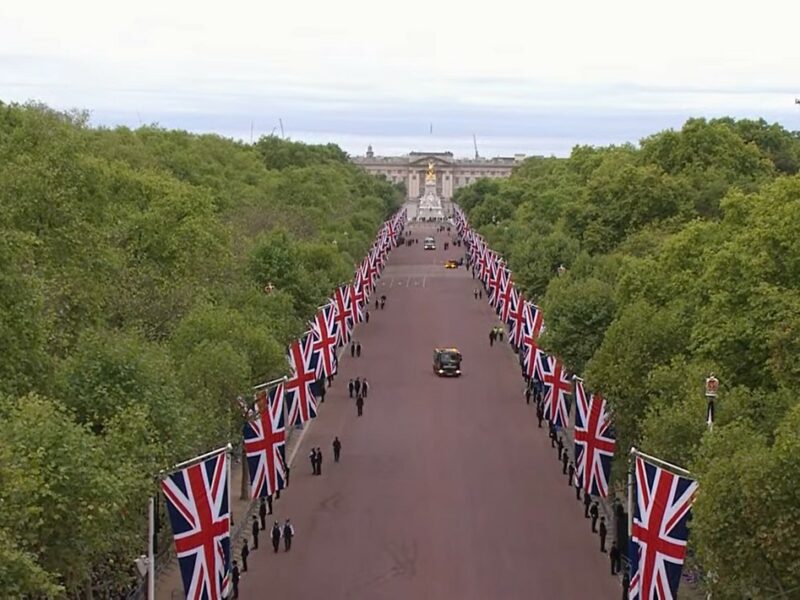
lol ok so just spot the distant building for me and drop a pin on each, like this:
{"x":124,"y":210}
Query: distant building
{"x":451,"y":173}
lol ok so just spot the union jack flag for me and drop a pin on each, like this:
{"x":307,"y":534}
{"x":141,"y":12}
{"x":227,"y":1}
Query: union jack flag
{"x":506,"y":293}
{"x":516,"y":319}
{"x":303,"y":362}
{"x":265,"y":443}
{"x":594,"y":441}
{"x":659,"y":535}
{"x":493,"y":285}
{"x":197,"y":503}
{"x":343,"y":314}
{"x":357,"y":299}
{"x":557,"y":387}
{"x":530,"y":348}
{"x":326,"y":337}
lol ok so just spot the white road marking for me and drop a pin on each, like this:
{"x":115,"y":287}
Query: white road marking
{"x":423,"y":282}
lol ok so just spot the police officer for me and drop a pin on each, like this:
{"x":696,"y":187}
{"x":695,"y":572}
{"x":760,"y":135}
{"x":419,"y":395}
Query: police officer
{"x":564,"y":461}
{"x":552,"y":432}
{"x":594,"y":512}
{"x":616,"y":558}
{"x":352,"y":349}
{"x":358,"y":349}
{"x":603,"y":532}
{"x":587,"y":502}
{"x":528,"y":397}
{"x":235,"y":579}
{"x":539,"y":413}
{"x":262,"y":513}
{"x":577,"y":484}
{"x":269,"y":505}
{"x":288,"y":534}
{"x":570,"y":473}
{"x":255,"y":530}
{"x":245,"y":554}
{"x":276,"y":536}
{"x":337,"y":448}
{"x":319,"y":461}
{"x":559,"y":445}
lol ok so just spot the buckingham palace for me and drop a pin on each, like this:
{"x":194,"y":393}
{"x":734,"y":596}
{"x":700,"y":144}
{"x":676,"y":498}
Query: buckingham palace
{"x":450,"y":173}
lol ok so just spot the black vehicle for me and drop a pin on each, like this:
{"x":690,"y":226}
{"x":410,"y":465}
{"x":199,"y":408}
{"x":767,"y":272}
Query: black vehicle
{"x":447,"y":362}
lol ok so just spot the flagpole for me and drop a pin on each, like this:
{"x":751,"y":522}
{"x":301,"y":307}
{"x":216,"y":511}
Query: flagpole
{"x":229,"y":457}
{"x":197,"y":459}
{"x":151,"y":559}
{"x":679,"y":470}
{"x":270,"y":383}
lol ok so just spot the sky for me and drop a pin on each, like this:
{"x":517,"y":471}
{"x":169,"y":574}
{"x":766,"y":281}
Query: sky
{"x":523,"y":77}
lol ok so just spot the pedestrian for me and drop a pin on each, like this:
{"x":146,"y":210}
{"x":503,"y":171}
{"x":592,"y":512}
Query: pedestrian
{"x":353,"y":349}
{"x":312,"y":457}
{"x":357,"y":386}
{"x":616,"y":558}
{"x":288,"y":470}
{"x":377,"y":303}
{"x":527,"y":395}
{"x":539,"y":413}
{"x":288,"y":534}
{"x":480,"y":293}
{"x":564,"y":461}
{"x":358,"y":349}
{"x":626,"y":582}
{"x":475,"y":293}
{"x":364,"y":387}
{"x":337,"y":448}
{"x":594,"y":512}
{"x":603,"y":532}
{"x":577,"y":483}
{"x":570,"y":472}
{"x":560,"y":446}
{"x":319,"y":461}
{"x":235,"y":579}
{"x":383,"y":302}
{"x":500,"y":333}
{"x":276,"y":536}
{"x":491,"y":337}
{"x":360,"y":404}
{"x":245,"y":554}
{"x":255,"y":530}
{"x":262,"y":513}
{"x":322,"y":391}
{"x":351,"y":387}
{"x":587,"y":502}
{"x":366,"y":316}
{"x":269,"y":504}
{"x":551,"y":433}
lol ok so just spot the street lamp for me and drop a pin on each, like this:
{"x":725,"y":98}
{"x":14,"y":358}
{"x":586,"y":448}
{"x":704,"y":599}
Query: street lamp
{"x":712,"y":386}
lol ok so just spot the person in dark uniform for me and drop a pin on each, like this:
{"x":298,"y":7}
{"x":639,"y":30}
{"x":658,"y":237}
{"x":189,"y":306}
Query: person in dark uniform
{"x":559,"y":445}
{"x":491,"y":337}
{"x":255,"y":530}
{"x":313,"y":458}
{"x":337,"y":448}
{"x":366,"y":316}
{"x":269,"y":504}
{"x":352,"y":349}
{"x":235,"y":579}
{"x":570,"y":472}
{"x":603,"y":533}
{"x":276,"y":536}
{"x":616,"y":558}
{"x":358,"y":349}
{"x":626,"y":582}
{"x":480,"y":292}
{"x":357,"y":386}
{"x":262,"y":513}
{"x":528,"y":397}
{"x":288,"y":471}
{"x":475,"y":293}
{"x":594,"y":512}
{"x":377,"y":303}
{"x":319,"y":461}
{"x":364,"y":387}
{"x":351,"y":388}
{"x":322,"y":392}
{"x":564,"y":461}
{"x":288,"y":534}
{"x":383,"y":302}
{"x":539,"y":413}
{"x":245,"y":554}
{"x":552,"y":433}
{"x":577,"y":484}
{"x":360,"y":404}
{"x":587,"y":502}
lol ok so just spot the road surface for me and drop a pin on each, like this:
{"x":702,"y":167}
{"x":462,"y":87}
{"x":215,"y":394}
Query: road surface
{"x":446,"y":487}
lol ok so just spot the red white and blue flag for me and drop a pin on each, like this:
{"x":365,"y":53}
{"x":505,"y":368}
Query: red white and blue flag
{"x":303,"y":363}
{"x":557,"y":387}
{"x":197,"y":503}
{"x":516,"y":319}
{"x":357,"y":299}
{"x":530,"y":348}
{"x":265,"y":443}
{"x":343,"y":314}
{"x":662,"y":509}
{"x":493,"y":284}
{"x":326,"y":339}
{"x":594,"y":441}
{"x":506,"y":293}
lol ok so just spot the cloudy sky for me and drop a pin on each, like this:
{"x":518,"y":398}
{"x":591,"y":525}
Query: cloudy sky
{"x":527,"y":77}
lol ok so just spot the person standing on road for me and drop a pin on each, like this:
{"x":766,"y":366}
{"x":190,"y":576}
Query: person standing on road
{"x":539,"y":413}
{"x":564,"y":461}
{"x":527,"y":395}
{"x":475,"y":293}
{"x":570,"y":473}
{"x":383,"y":302}
{"x":377,"y":303}
{"x":337,"y":448}
{"x":552,"y":433}
{"x":245,"y":554}
{"x":491,"y":337}
{"x":276,"y":537}
{"x":603,"y":532}
{"x":262,"y":513}
{"x":357,"y":386}
{"x":594,"y":512}
{"x":616,"y":558}
{"x":559,"y":445}
{"x":366,"y":316}
{"x":577,"y":483}
{"x":364,"y":387}
{"x":587,"y":502}
{"x":352,"y":349}
{"x":351,"y":387}
{"x":360,"y":404}
{"x":254,"y":528}
{"x":358,"y":349}
{"x":313,"y":458}
{"x":319,"y":461}
{"x":288,"y":534}
{"x":235,"y":579}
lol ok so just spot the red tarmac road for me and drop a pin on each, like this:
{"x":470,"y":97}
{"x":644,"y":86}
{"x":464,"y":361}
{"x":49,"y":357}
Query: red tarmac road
{"x":446,"y":488}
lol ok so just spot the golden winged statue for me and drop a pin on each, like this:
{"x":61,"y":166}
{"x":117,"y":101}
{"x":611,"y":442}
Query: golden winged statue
{"x":430,"y":176}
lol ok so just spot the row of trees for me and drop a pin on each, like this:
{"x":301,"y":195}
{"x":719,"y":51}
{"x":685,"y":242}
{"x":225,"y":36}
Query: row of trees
{"x":682,"y":257}
{"x":147,"y":279}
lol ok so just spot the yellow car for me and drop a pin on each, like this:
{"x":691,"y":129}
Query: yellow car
{"x":451,"y":264}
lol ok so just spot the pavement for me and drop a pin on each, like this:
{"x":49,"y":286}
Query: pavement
{"x":446,"y":488}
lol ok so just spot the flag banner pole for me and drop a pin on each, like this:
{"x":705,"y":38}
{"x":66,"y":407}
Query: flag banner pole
{"x":151,"y":559}
{"x":270,"y":383}
{"x":229,"y":452}
{"x":653,"y":459}
{"x":197,"y":459}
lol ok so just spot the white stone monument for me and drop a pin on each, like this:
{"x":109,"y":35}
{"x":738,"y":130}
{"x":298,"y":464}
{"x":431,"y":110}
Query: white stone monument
{"x":430,"y":205}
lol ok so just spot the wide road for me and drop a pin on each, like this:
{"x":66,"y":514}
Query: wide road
{"x":446,"y":487}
